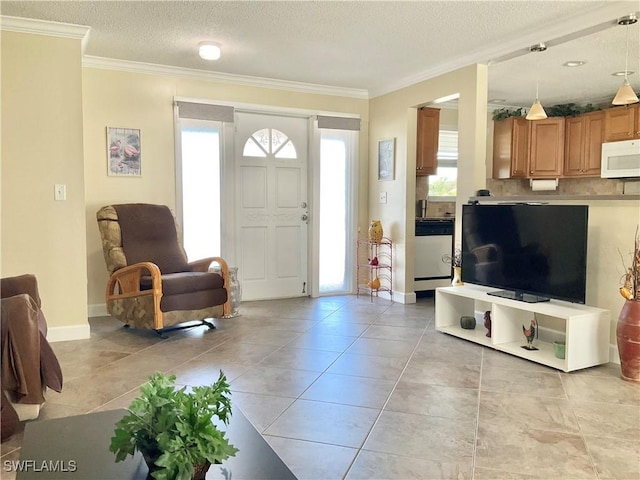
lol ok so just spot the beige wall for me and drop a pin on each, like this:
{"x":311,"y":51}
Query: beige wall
{"x":42,"y":142}
{"x":394,"y":115}
{"x":144,"y":101}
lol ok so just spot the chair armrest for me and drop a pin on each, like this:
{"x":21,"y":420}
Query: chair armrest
{"x":128,"y":281}
{"x":203,"y":266}
{"x":27,"y":283}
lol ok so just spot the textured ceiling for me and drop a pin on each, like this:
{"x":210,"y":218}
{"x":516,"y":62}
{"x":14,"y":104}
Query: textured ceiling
{"x":372,"y":46}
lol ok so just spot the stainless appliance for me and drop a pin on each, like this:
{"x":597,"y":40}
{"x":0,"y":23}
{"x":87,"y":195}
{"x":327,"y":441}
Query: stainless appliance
{"x":421,"y":208}
{"x":434,"y":238}
{"x":621,"y":159}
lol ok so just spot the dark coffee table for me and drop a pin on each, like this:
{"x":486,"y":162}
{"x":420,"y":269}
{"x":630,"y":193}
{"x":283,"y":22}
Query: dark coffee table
{"x":78,"y":448}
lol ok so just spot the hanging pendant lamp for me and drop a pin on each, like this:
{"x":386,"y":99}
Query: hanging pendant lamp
{"x":626,"y":95}
{"x":536,"y":112}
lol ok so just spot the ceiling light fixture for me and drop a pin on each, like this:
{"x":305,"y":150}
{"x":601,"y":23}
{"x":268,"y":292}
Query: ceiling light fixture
{"x":209,"y":50}
{"x":622,"y":74}
{"x":574,"y":63}
{"x":626,"y":95}
{"x":447,"y":98}
{"x":536,"y":112}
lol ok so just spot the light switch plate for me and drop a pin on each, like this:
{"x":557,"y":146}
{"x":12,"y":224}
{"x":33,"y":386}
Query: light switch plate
{"x":383,"y":197}
{"x":60,"y":191}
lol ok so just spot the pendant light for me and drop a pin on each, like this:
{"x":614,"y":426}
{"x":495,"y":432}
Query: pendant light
{"x":536,"y":112}
{"x":626,"y":95}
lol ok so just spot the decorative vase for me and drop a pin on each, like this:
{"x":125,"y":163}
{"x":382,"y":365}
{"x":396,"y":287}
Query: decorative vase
{"x":628,"y":336}
{"x":559,"y":348}
{"x":487,"y":322}
{"x":235,"y":293}
{"x":375,"y":231}
{"x":468,"y":322}
{"x":457,"y":277}
{"x":374,"y":284}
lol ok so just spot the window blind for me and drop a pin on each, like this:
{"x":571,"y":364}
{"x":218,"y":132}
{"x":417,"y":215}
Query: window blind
{"x":205,"y":111}
{"x":448,"y":148}
{"x":339,"y":123}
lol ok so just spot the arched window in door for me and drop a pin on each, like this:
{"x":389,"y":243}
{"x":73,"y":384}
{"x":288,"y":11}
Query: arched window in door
{"x":269,"y":142}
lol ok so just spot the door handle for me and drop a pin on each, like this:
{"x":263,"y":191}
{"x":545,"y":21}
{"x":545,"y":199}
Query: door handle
{"x":304,"y":217}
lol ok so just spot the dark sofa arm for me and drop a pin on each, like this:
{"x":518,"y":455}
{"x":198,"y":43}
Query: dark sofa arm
{"x":27,"y":283}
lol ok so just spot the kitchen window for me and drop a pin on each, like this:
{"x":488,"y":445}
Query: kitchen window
{"x":444,"y":182}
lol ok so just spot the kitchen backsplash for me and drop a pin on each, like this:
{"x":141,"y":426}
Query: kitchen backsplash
{"x":566,"y":186}
{"x":518,"y":187}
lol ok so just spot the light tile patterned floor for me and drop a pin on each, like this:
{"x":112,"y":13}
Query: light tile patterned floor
{"x":345,"y":388}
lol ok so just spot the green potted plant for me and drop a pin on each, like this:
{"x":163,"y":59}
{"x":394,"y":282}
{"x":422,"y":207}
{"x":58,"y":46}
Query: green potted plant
{"x":174,"y":429}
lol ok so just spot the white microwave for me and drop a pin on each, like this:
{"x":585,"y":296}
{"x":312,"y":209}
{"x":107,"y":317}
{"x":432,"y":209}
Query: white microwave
{"x":620,"y":159}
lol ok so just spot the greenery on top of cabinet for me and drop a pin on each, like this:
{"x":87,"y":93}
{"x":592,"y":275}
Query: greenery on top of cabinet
{"x":570,"y":110}
{"x":504,"y":113}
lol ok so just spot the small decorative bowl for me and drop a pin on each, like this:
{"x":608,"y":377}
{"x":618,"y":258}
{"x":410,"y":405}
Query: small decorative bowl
{"x":558,"y":349}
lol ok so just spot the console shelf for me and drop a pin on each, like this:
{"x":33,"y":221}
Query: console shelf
{"x":584,"y":329}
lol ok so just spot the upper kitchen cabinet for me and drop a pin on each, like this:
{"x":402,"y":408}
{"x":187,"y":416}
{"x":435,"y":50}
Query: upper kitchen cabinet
{"x":622,"y":123}
{"x":510,"y":148}
{"x":546,"y":152}
{"x":428,"y":131}
{"x":584,"y":135}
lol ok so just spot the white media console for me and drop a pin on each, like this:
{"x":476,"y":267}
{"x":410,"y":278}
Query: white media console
{"x":586,"y":329}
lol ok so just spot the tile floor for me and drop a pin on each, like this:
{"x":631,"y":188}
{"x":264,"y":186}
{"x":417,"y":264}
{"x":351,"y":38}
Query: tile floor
{"x":344,"y":387}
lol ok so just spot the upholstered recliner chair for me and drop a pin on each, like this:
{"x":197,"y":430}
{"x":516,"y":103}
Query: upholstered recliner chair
{"x":29,"y":365}
{"x":151,"y":284}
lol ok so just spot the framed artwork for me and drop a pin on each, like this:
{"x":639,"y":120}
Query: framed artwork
{"x":386,"y":159}
{"x":123,"y":152}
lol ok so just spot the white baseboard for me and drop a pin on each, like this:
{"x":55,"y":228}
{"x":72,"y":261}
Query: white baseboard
{"x":614,"y":355}
{"x":62,"y":334}
{"x":404,"y":298}
{"x":98,"y":310}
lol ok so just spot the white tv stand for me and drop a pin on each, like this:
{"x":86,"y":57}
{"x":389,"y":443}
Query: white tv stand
{"x":586,"y":329}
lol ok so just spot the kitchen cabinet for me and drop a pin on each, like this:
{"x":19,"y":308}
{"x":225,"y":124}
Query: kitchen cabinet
{"x":584,"y":135}
{"x":622,"y":123}
{"x":428,"y":131}
{"x":510,"y":148}
{"x":546,"y":148}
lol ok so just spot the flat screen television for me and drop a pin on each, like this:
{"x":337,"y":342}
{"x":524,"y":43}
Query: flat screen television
{"x":531,"y":252}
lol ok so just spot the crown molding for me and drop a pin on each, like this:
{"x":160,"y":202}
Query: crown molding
{"x":43,"y":27}
{"x":194,"y":74}
{"x":554,"y":33}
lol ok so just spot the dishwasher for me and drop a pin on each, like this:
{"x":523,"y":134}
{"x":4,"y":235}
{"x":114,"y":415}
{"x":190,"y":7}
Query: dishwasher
{"x":434,"y":239}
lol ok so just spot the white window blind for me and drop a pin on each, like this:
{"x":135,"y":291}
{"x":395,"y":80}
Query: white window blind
{"x":448,"y":148}
{"x":205,"y":111}
{"x":339,"y":123}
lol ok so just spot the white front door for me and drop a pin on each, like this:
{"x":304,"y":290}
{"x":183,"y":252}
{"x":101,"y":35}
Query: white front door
{"x":271,"y":205}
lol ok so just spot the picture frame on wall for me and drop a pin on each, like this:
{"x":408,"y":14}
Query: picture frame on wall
{"x":386,"y":159}
{"x":124,"y":158}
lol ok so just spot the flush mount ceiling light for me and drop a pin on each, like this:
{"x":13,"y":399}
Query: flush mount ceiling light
{"x":209,"y":50}
{"x":622,"y":74}
{"x":574,"y":63}
{"x":536,"y":112}
{"x":626,"y":95}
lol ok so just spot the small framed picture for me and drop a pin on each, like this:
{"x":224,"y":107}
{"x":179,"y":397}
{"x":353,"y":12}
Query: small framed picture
{"x":386,"y":159}
{"x":123,"y":152}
